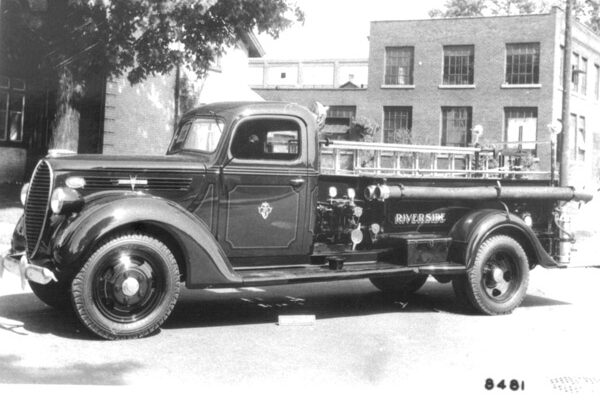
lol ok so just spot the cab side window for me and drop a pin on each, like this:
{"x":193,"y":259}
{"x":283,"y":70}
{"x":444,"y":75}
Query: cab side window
{"x":267,"y":139}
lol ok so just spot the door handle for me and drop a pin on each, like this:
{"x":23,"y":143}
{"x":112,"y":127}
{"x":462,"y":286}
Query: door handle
{"x":296,"y":182}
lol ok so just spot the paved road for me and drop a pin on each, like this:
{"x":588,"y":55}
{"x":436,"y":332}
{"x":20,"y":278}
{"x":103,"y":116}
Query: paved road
{"x":359,"y":339}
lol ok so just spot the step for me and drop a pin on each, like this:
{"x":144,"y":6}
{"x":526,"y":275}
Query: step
{"x":274,"y":275}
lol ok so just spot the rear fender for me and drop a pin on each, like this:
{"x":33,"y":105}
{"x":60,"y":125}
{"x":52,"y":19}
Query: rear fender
{"x":205,"y":262}
{"x":472,"y":229}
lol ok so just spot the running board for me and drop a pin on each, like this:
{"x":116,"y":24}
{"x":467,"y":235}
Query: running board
{"x":314,"y":273}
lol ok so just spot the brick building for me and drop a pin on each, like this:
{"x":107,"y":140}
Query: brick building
{"x":115,"y":117}
{"x":140,"y":119}
{"x":434,"y":80}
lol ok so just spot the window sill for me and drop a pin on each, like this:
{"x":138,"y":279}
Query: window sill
{"x":397,"y":86}
{"x":456,"y":86}
{"x":527,"y":86}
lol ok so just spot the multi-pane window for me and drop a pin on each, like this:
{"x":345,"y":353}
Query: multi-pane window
{"x":399,"y":63}
{"x":12,"y":104}
{"x":580,"y":140}
{"x":575,"y":72}
{"x":522,"y":63}
{"x":456,"y":126}
{"x":458,"y":65}
{"x":339,"y":119}
{"x":397,"y":124}
{"x":583,"y":79}
{"x":341,"y":114}
{"x":579,"y":71}
{"x":521,"y":127}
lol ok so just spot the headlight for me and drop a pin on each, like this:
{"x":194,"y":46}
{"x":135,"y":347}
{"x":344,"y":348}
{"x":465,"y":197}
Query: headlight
{"x":24,"y":191}
{"x":527,"y":219}
{"x":332,"y":191}
{"x":65,"y":200}
{"x":351,"y":193}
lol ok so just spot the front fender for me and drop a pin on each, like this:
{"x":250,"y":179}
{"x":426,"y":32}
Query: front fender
{"x":472,"y":229}
{"x":205,"y":262}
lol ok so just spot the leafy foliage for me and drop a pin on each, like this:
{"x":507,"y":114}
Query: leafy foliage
{"x":363,"y":129}
{"x":587,"y":11}
{"x":141,"y":37}
{"x":460,"y":8}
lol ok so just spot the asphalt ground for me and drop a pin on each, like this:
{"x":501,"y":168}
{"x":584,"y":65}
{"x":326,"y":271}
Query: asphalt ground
{"x":362,"y":344}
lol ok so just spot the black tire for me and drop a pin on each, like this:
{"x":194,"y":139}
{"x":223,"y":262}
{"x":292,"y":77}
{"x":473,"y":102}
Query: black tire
{"x":399,"y":284}
{"x":497,"y":281}
{"x":54,"y":294}
{"x":127,"y":287}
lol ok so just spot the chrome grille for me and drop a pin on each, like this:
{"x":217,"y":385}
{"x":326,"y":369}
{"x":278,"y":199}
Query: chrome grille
{"x":37,"y":206}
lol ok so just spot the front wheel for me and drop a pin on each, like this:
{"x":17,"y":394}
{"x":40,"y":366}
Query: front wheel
{"x":497,"y":281}
{"x":127,"y":288}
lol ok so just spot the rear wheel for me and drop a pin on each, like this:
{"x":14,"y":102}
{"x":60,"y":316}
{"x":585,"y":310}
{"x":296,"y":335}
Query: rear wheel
{"x":399,"y":284}
{"x":54,"y":294}
{"x":127,"y":288}
{"x":497,"y":281}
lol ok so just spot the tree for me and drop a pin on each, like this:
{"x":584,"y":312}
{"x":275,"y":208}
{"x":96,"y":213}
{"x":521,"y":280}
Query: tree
{"x":71,"y":40}
{"x":510,"y":7}
{"x":586,"y":11}
{"x":459,"y":8}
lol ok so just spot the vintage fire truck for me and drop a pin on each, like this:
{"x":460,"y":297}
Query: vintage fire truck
{"x":247,"y":195}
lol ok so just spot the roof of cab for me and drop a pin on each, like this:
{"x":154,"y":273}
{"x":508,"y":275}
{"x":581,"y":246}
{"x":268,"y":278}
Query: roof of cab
{"x":250,"y":108}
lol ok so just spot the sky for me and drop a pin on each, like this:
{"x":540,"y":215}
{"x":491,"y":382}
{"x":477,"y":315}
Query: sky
{"x":340,"y":28}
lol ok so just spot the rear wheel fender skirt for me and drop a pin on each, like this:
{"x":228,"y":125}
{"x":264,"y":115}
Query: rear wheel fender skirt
{"x":472,"y":229}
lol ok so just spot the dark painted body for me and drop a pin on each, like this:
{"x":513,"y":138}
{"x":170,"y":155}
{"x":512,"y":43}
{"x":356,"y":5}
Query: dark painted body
{"x":206,"y":208}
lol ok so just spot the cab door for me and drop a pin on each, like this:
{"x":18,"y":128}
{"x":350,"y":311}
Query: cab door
{"x":263,"y":191}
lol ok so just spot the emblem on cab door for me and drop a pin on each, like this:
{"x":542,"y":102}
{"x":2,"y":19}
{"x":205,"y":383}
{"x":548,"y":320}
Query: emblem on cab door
{"x":265,"y":209}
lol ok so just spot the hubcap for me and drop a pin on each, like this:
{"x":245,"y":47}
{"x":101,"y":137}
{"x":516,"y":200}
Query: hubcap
{"x":128,"y":286}
{"x":499,"y":277}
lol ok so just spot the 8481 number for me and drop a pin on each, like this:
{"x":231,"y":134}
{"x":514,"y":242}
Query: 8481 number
{"x":513,"y":384}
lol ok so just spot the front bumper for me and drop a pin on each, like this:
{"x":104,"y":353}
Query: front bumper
{"x":19,"y":265}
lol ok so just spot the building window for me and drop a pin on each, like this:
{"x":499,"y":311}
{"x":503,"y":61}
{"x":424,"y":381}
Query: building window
{"x":458,"y":65}
{"x":580,"y":140}
{"x":522,"y":63}
{"x":583,"y":78}
{"x":521,"y":127}
{"x":456,"y":126}
{"x":575,"y":73}
{"x":397,"y":124}
{"x":399,"y":62}
{"x":12,"y":105}
{"x":597,"y":82}
{"x":339,"y":119}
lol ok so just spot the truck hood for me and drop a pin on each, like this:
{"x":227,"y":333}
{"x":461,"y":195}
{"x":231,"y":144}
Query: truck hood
{"x":99,"y":162}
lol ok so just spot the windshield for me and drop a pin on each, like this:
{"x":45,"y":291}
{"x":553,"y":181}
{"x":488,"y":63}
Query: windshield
{"x":201,"y":134}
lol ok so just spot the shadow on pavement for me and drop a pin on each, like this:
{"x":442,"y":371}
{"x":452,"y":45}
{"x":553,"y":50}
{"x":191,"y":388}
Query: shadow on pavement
{"x":37,"y":317}
{"x":199,"y":308}
{"x":75,"y":374}
{"x":237,"y":309}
